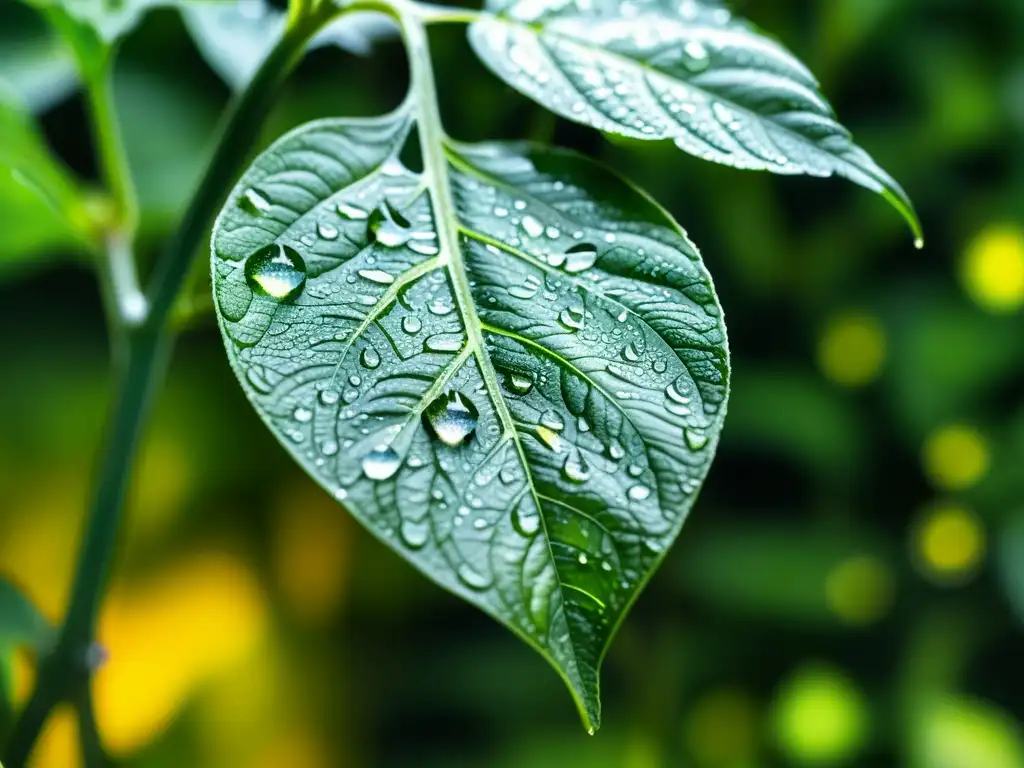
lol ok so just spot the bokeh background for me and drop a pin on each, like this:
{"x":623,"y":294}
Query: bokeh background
{"x":850,"y":587}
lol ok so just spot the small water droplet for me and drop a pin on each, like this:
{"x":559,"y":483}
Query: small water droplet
{"x":552,"y":420}
{"x":616,"y":451}
{"x":639,"y":492}
{"x":452,"y":418}
{"x":572,"y":317}
{"x":472,"y":578}
{"x":303,"y":415}
{"x":630,"y":353}
{"x":580,"y":258}
{"x":277,"y":271}
{"x":329,"y":397}
{"x":526,"y":518}
{"x":378,"y":276}
{"x":381,"y":463}
{"x":919,"y":243}
{"x":659,"y":366}
{"x":415,"y":533}
{"x":442,"y":343}
{"x":411,"y":324}
{"x":696,"y":440}
{"x":369,"y":358}
{"x":255,"y":201}
{"x":519,"y":383}
{"x":352,"y":212}
{"x":532,"y":227}
{"x":389,"y":227}
{"x":576,"y":469}
{"x":697,"y":59}
{"x":582,"y":559}
{"x":327,"y":231}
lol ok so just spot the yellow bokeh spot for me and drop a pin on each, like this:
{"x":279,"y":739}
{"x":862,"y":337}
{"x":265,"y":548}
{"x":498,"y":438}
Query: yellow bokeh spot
{"x":820,"y":717}
{"x":311,"y":552}
{"x":966,"y":733}
{"x":955,"y":457}
{"x":295,"y":748}
{"x":23,"y":676}
{"x":992,"y":269}
{"x":166,"y":637}
{"x":949,"y":543}
{"x":721,"y":729}
{"x":58,"y":743}
{"x":851,"y":350}
{"x":859,"y":589}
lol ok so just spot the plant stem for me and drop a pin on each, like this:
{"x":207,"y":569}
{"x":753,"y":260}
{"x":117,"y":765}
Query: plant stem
{"x":66,"y":671}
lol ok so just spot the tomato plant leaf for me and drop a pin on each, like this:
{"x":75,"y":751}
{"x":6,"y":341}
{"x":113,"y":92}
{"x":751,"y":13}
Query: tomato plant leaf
{"x":689,"y":72}
{"x":527,"y":417}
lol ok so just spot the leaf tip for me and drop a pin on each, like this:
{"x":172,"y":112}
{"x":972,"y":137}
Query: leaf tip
{"x":901,"y":202}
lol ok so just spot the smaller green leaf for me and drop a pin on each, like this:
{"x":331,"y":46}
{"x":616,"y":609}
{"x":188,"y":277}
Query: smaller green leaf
{"x":689,"y":72}
{"x":110,"y":19}
{"x":21,"y":624}
{"x":235,"y":38}
{"x":25,"y":158}
{"x":37,"y":66}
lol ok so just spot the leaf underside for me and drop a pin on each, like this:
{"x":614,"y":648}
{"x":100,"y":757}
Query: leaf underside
{"x":685,"y":71}
{"x":533,"y":448}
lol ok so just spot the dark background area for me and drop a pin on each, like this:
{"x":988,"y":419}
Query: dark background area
{"x":849,"y":589}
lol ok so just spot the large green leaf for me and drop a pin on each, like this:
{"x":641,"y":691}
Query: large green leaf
{"x":684,"y":70}
{"x":527,"y":416}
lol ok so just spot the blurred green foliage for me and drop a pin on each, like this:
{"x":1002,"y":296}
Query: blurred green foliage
{"x":850,"y":587}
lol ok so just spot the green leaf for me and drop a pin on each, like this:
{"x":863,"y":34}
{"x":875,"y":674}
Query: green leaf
{"x":235,"y":37}
{"x":526,"y":416}
{"x":110,"y":19}
{"x":20,"y":621}
{"x":36,"y":65}
{"x":685,"y":71}
{"x":26,"y":162}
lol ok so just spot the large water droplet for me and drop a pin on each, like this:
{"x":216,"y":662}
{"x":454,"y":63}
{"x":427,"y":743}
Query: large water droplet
{"x":411,"y":324}
{"x":255,"y":201}
{"x":580,"y":257}
{"x":552,"y":420}
{"x":277,"y":271}
{"x":389,"y":227}
{"x":572,"y":317}
{"x":352,"y":212}
{"x":415,"y":533}
{"x":472,"y":578}
{"x":526,"y":518}
{"x":697,"y":59}
{"x":381,"y":463}
{"x":630,"y":353}
{"x":519,"y":383}
{"x":378,"y":276}
{"x":639,"y":492}
{"x":327,"y":231}
{"x":452,"y":418}
{"x":533,"y":227}
{"x":695,"y":439}
{"x":576,"y":469}
{"x":369,"y":358}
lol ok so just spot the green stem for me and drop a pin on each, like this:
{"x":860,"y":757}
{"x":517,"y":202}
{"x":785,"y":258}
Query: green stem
{"x":149,"y":344}
{"x":113,"y":158}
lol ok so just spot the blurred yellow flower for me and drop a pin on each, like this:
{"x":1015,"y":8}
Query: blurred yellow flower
{"x":860,"y":589}
{"x":949,"y":543}
{"x":820,"y":717}
{"x":58,"y":743}
{"x":955,"y":457}
{"x":166,"y":637}
{"x":851,"y":350}
{"x":992,"y":269}
{"x":310,"y":553}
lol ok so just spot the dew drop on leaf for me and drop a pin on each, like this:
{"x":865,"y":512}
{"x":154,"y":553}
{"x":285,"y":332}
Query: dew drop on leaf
{"x":572,"y":317}
{"x":519,"y":383}
{"x":576,"y":469}
{"x":352,"y":212}
{"x":378,"y":276}
{"x":580,"y":257}
{"x":369,"y":359}
{"x":526,"y":518}
{"x":277,"y":271}
{"x":452,"y":418}
{"x":381,"y":463}
{"x":327,"y":231}
{"x":696,"y":440}
{"x":411,"y":324}
{"x":388,"y":227}
{"x":255,"y":201}
{"x":472,"y":578}
{"x":639,"y":492}
{"x":414,"y":533}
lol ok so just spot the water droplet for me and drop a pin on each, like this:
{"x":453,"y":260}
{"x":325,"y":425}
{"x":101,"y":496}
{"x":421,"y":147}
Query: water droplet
{"x":630,"y":353}
{"x":381,"y":463}
{"x":480,"y":523}
{"x":519,"y":383}
{"x":415,"y":533}
{"x":533,"y":227}
{"x":327,"y":231}
{"x":329,"y":397}
{"x":389,"y":227}
{"x":639,"y":492}
{"x":576,"y":468}
{"x":452,"y":418}
{"x":919,"y":243}
{"x":697,"y":59}
{"x":519,"y":205}
{"x":552,"y":420}
{"x":441,"y":307}
{"x":352,"y":212}
{"x":303,"y":415}
{"x":580,"y":258}
{"x":550,"y":439}
{"x":378,"y":276}
{"x":678,"y":403}
{"x":526,"y":518}
{"x":369,"y":358}
{"x":582,"y":559}
{"x":572,"y":317}
{"x":472,"y":578}
{"x":277,"y":271}
{"x":411,"y":324}
{"x":443,"y":343}
{"x":255,"y":201}
{"x":616,"y":451}
{"x":696,"y":440}
{"x":659,"y":366}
